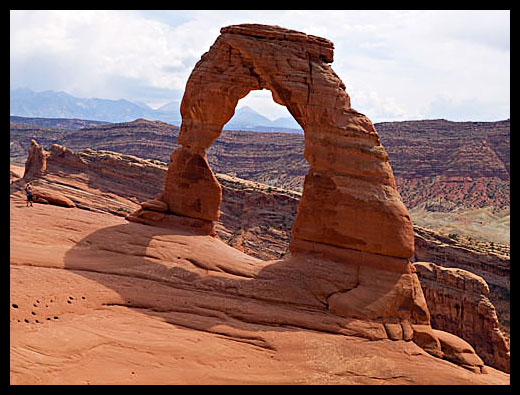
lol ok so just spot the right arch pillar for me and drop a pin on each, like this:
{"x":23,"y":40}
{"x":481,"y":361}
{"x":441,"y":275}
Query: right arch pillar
{"x":350,"y":198}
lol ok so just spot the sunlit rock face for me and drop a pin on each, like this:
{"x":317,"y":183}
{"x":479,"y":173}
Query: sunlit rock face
{"x":350,"y":213}
{"x":350,"y":198}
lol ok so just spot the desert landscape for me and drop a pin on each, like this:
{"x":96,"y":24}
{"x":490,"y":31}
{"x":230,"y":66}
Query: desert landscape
{"x":355,"y":253}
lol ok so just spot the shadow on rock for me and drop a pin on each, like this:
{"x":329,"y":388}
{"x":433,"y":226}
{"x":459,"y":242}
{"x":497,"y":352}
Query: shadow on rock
{"x":202,"y":283}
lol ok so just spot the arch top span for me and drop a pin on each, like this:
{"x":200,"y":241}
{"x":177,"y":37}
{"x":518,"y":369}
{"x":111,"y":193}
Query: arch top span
{"x":349,"y":197}
{"x":317,"y":46}
{"x":291,"y":64}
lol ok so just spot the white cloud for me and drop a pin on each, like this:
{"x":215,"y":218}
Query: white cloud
{"x":99,"y":46}
{"x":466,"y":109}
{"x":395,"y":64}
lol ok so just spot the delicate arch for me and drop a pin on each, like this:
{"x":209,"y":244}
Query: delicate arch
{"x":349,"y":198}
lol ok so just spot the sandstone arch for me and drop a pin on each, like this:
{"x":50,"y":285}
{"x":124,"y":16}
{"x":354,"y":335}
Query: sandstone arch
{"x":350,"y":198}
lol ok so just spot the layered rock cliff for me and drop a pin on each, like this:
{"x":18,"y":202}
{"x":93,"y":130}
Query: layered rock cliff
{"x":425,"y":171}
{"x":458,"y":303}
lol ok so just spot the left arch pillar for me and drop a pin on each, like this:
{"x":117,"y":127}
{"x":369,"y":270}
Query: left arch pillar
{"x":191,"y":189}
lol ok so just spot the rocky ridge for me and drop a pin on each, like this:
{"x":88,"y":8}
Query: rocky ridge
{"x":471,"y":206}
{"x":75,"y":182}
{"x":425,"y":172}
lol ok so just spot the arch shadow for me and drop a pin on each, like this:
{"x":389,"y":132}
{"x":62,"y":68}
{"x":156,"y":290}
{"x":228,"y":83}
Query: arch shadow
{"x":297,"y":290}
{"x":166,"y":274}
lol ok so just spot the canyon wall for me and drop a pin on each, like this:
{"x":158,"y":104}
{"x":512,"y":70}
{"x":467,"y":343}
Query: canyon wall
{"x":458,"y":303}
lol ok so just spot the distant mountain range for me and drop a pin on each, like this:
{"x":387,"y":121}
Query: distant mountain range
{"x":52,"y":104}
{"x":246,"y":118}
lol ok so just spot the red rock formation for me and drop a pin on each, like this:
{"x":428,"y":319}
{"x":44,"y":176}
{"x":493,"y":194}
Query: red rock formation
{"x":381,"y":294}
{"x":36,"y":167}
{"x":16,"y":172}
{"x":350,"y":180}
{"x":456,"y":350}
{"x":47,"y":196}
{"x":135,"y":304}
{"x":36,"y":163}
{"x":350,"y":212}
{"x":191,"y":189}
{"x":492,"y":266}
{"x":440,"y":164}
{"x":458,"y":303}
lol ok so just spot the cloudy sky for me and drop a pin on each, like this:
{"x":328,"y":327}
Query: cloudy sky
{"x":396,"y":65}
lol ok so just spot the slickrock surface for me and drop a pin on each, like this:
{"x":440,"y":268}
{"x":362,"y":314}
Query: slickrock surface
{"x":349,"y":271}
{"x":395,"y":297}
{"x":255,"y":218}
{"x":97,"y":300}
{"x":97,"y":188}
{"x":458,"y":303}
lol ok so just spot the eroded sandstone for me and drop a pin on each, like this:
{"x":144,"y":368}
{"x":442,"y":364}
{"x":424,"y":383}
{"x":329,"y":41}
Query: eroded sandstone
{"x":350,"y":198}
{"x":458,"y":303}
{"x":368,"y":290}
{"x":350,"y":206}
{"x":36,"y":162}
{"x":136,"y":304}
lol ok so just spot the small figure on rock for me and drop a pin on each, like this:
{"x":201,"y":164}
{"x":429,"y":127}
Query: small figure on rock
{"x":29,"y":193}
